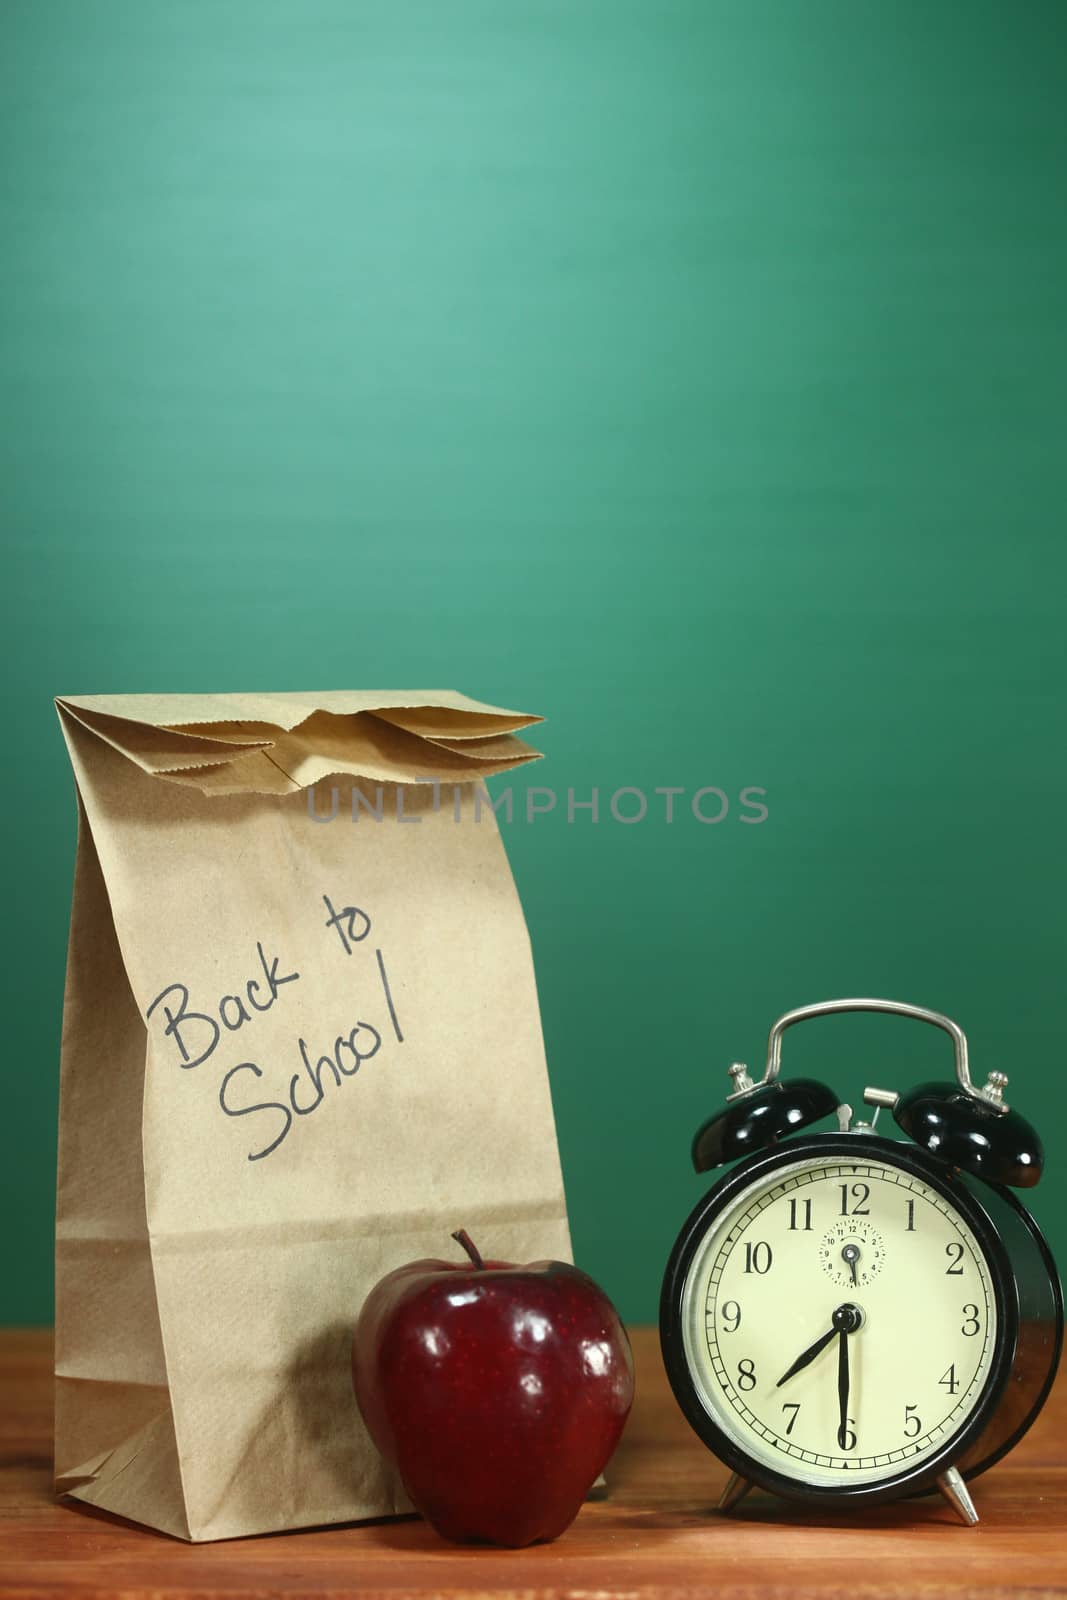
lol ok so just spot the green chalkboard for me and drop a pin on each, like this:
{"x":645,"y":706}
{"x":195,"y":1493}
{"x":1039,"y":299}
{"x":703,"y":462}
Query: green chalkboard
{"x":691,"y":372}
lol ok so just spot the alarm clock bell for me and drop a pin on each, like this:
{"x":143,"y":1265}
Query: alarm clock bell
{"x":760,"y":1115}
{"x":967,"y":1127}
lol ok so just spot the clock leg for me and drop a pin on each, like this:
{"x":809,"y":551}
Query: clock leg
{"x":735,"y":1491}
{"x":958,"y":1496}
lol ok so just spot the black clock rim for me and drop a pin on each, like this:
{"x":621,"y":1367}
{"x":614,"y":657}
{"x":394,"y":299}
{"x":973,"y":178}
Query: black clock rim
{"x":859,"y":1147}
{"x":1045,"y":1252}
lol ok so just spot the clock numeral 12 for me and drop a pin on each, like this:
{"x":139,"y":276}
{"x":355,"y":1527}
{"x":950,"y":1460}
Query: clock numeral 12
{"x":861,"y":1193}
{"x":805,"y":1226}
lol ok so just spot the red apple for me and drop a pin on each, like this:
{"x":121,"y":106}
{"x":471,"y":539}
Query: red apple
{"x":498,"y":1392}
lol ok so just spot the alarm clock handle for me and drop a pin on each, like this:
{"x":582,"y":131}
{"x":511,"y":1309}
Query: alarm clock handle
{"x":899,"y":1008}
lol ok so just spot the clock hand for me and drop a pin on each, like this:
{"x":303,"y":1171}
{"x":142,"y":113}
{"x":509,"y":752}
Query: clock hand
{"x":850,"y":1255}
{"x":842,"y":1385}
{"x":807,"y":1357}
{"x":846,"y":1319}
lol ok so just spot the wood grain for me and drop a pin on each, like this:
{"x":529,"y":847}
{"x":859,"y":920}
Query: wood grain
{"x":655,"y":1534}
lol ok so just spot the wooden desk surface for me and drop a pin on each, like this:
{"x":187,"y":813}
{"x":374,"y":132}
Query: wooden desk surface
{"x":656,"y":1534}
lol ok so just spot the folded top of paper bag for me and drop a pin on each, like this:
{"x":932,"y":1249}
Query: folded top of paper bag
{"x":281,"y":743}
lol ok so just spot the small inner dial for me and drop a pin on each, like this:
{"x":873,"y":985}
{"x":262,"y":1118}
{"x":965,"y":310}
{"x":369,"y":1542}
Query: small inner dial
{"x":852,"y":1253}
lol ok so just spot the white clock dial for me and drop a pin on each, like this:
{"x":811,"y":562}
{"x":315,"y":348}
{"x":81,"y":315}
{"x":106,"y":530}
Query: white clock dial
{"x":913,"y":1339}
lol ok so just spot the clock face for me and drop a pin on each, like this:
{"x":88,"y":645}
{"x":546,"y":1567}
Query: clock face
{"x":840,"y":1321}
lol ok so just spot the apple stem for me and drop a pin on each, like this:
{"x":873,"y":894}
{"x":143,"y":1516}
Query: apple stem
{"x":462,"y":1237}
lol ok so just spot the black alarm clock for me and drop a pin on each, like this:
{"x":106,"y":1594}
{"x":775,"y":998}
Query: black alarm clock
{"x":850,"y":1318}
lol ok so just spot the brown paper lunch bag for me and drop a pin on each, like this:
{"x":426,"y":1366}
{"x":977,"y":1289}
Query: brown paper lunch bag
{"x":298,"y":1050}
